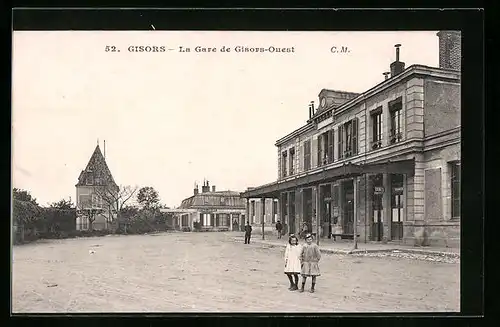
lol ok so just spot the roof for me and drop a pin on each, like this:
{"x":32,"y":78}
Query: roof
{"x":419,"y":70}
{"x":213,"y":199}
{"x":98,"y":168}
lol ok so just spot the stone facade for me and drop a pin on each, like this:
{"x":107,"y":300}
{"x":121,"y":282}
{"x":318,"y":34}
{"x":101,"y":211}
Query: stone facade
{"x":418,"y":121}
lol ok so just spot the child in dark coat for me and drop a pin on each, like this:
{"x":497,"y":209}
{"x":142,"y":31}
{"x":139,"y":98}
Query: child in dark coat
{"x":310,"y":256}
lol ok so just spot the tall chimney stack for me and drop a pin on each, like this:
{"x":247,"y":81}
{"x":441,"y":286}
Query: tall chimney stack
{"x":213,"y":188}
{"x":104,"y":149}
{"x":205,"y":187}
{"x":450,"y":49}
{"x":312,"y":107}
{"x":397,"y":66}
{"x":195,"y":190}
{"x":310,"y":112}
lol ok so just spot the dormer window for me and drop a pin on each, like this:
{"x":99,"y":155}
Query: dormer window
{"x":90,"y":179}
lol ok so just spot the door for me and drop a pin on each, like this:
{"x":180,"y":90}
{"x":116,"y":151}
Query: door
{"x":307,"y":209}
{"x":348,"y":208}
{"x":377,"y":214}
{"x":397,"y":207}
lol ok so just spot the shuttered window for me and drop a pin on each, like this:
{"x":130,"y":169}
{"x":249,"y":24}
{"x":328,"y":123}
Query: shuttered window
{"x":307,"y":155}
{"x":354,"y":145}
{"x":320,"y":150}
{"x":340,"y":142}
{"x":330,"y":145}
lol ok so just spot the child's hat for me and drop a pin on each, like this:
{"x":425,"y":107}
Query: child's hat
{"x":308,"y":235}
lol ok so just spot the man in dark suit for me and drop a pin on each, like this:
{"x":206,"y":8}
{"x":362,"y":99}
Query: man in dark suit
{"x":248,"y":233}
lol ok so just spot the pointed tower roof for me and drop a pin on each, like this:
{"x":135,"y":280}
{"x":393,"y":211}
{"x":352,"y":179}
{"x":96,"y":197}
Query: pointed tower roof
{"x":98,"y":169}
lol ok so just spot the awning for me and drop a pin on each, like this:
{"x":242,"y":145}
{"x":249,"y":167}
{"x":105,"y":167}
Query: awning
{"x":326,"y":175}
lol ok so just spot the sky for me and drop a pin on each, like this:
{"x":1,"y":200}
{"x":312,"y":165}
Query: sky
{"x":172,"y":118}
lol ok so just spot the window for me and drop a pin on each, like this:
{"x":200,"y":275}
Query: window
{"x":329,"y":153}
{"x":307,"y":155}
{"x":320,"y":149}
{"x":90,"y":179}
{"x":396,"y":134}
{"x":291,"y":160}
{"x":283,"y":165}
{"x":96,"y":201}
{"x":325,"y":148}
{"x":377,"y":128}
{"x":455,"y":190}
{"x":348,"y":139}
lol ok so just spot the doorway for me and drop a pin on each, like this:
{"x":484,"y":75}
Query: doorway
{"x":377,"y":211}
{"x":307,"y":209}
{"x":397,"y":206}
{"x":348,"y":208}
{"x":326,"y":210}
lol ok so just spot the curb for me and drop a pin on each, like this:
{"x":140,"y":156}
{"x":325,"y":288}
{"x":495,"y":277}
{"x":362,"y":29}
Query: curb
{"x":363,"y":251}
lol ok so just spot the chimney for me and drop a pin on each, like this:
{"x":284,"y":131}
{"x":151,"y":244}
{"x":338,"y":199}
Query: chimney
{"x":450,"y":49}
{"x":105,"y":149}
{"x":310,"y":112}
{"x":386,"y":75}
{"x":312,"y":107}
{"x":397,"y":66}
{"x":195,"y":190}
{"x":205,"y":187}
{"x":213,"y":188}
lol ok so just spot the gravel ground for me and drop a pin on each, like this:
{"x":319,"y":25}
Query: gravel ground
{"x":210,"y":272}
{"x":412,"y":256}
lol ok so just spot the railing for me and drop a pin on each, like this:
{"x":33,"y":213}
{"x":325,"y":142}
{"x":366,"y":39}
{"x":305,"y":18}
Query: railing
{"x":395,"y":137}
{"x":376,"y":144}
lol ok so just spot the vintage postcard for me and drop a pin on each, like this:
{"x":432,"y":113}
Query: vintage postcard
{"x":236,"y":171}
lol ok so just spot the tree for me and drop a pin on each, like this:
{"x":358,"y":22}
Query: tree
{"x":115,"y":197}
{"x":23,"y":195}
{"x":148,"y":198}
{"x":63,"y":204}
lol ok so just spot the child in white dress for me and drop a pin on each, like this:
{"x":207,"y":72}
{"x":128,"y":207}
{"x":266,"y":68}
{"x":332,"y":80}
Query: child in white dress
{"x":292,"y":261}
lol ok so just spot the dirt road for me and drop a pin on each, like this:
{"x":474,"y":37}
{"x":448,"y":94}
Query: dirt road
{"x":210,"y":272}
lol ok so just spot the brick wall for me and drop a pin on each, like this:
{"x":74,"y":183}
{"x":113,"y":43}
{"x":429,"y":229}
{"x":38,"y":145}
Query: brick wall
{"x":450,"y":49}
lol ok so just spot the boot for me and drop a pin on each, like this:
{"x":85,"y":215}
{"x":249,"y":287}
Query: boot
{"x":312,"y":287}
{"x":291,"y":287}
{"x":302,"y":288}
{"x":294,"y":287}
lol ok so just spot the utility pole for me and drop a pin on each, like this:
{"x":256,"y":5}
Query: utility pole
{"x":355,"y":212}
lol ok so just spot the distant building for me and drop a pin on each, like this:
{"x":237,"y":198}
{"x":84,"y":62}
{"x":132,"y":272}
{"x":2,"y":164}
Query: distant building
{"x":212,"y":210}
{"x":388,"y":158}
{"x":94,"y":183}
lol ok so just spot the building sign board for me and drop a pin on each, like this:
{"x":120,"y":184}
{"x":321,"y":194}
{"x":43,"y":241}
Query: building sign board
{"x":379,"y":189}
{"x":398,"y":190}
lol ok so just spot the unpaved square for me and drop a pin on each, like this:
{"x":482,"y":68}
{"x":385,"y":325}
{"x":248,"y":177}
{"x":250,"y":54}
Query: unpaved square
{"x":210,"y":272}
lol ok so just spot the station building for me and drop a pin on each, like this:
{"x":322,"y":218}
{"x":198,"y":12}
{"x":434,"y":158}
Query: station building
{"x":213,"y":210}
{"x":387,"y":158}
